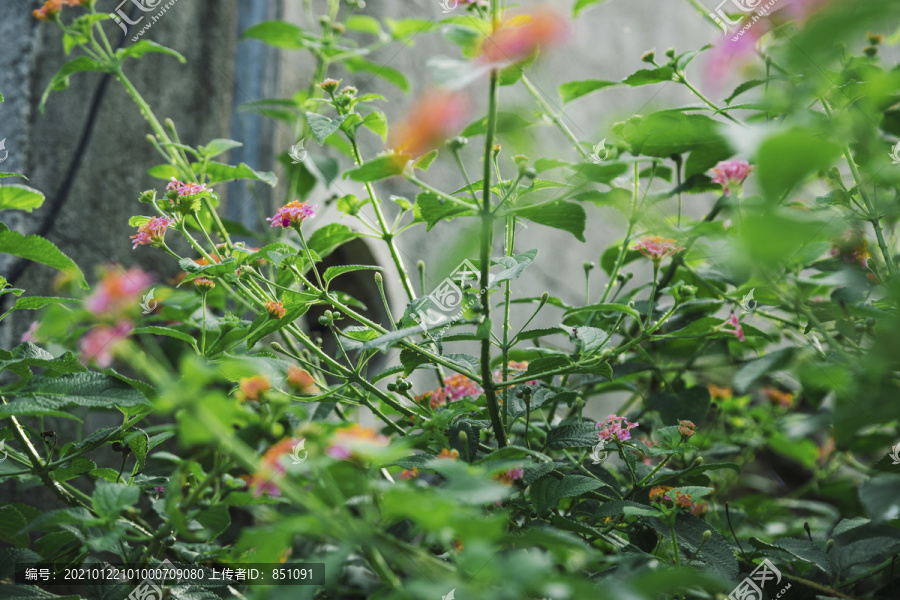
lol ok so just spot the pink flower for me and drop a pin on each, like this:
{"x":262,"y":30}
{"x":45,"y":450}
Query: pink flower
{"x":97,"y":344}
{"x":186,"y":189}
{"x":354,"y":438}
{"x":730,"y":174}
{"x":118,"y":290}
{"x":30,"y":333}
{"x":738,"y":331}
{"x":521,"y":36}
{"x":435,"y":117}
{"x":731,"y":53}
{"x":292,"y":214}
{"x":508,"y":477}
{"x":615,"y":428}
{"x":152,"y":232}
{"x":262,"y":482}
{"x":656,"y":247}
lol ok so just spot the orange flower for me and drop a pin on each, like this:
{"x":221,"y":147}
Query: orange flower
{"x":719,"y":393}
{"x":275,"y":309}
{"x":433,"y":119}
{"x":782,"y":399}
{"x":410,"y":473}
{"x":451,"y":454}
{"x":253,"y":388}
{"x":352,"y":438}
{"x":300,"y":380}
{"x":658,"y":493}
{"x":522,"y":36}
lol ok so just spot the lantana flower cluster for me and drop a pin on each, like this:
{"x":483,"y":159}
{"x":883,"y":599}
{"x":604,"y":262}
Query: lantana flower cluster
{"x":730,"y":174}
{"x":458,"y":386}
{"x":662,"y":494}
{"x":615,"y":428}
{"x":656,"y":247}
{"x":51,"y":8}
{"x":351,"y":440}
{"x":292,"y":215}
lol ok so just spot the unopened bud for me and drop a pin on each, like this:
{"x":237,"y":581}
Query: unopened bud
{"x":379,"y":280}
{"x":589,"y":266}
{"x":707,"y":535}
{"x":457,"y":143}
{"x":649,"y":56}
{"x":147,"y":197}
{"x":544,"y":297}
{"x":829,"y":545}
{"x":463,"y":437}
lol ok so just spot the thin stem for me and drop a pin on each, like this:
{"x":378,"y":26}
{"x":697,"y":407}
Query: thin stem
{"x":553,"y":115}
{"x":510,"y":243}
{"x":487,"y":234}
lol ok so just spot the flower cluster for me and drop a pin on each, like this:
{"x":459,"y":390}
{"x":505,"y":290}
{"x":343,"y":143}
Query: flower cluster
{"x":451,"y":454}
{"x":686,"y":428}
{"x":522,"y":36}
{"x":51,"y":8}
{"x":253,"y":388}
{"x":852,"y":247}
{"x":186,"y":189}
{"x":656,"y":247}
{"x":408,"y":474}
{"x":456,"y":387}
{"x":354,"y":438}
{"x":118,"y":290}
{"x":262,"y":482}
{"x":508,"y":477}
{"x":292,"y":214}
{"x":98,"y":344}
{"x":151,"y":232}
{"x":661,"y":494}
{"x":615,"y":428}
{"x":434,"y":118}
{"x":779,"y":397}
{"x":736,"y":329}
{"x":719,"y":393}
{"x":301,"y":381}
{"x":730,"y":174}
{"x":275,"y":309}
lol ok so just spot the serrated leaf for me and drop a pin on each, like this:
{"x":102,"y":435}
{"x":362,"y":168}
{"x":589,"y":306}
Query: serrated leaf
{"x":322,"y":127}
{"x":40,"y":250}
{"x":578,"y":435}
{"x":649,"y":76}
{"x":166,"y":331}
{"x":73,"y":468}
{"x":12,"y":522}
{"x":558,"y":214}
{"x":142,"y":47}
{"x":139,"y":442}
{"x":49,"y":395}
{"x":389,"y":165}
{"x":38,"y":302}
{"x":220,"y":173}
{"x":60,"y":80}
{"x":547,"y":491}
{"x":20,"y":197}
{"x":332,"y":272}
{"x":279,"y":34}
{"x":219,"y":146}
{"x":573,"y":90}
{"x":110,"y":499}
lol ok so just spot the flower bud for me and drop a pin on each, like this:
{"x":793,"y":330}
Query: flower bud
{"x":457,"y":143}
{"x":464,"y":437}
{"x":829,"y":545}
{"x":707,"y":535}
{"x":330,"y":85}
{"x":670,"y":52}
{"x":589,"y":266}
{"x":544,"y":297}
{"x":649,"y":56}
{"x":148,"y":197}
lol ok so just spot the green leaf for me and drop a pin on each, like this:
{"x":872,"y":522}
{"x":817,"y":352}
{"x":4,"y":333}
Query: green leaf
{"x":558,"y":214}
{"x":40,"y":250}
{"x":433,"y":209}
{"x":786,"y":158}
{"x":578,"y":435}
{"x":539,"y":397}
{"x":279,"y":34}
{"x":513,"y":266}
{"x":649,"y":76}
{"x":38,"y":302}
{"x":364,"y":24}
{"x":8,"y":174}
{"x":139,"y":442}
{"x":582,"y":5}
{"x":506,"y":122}
{"x":110,"y":499}
{"x":11,"y":523}
{"x":166,"y":331}
{"x":378,"y":168}
{"x":60,"y":81}
{"x":329,"y":238}
{"x":356,"y":64}
{"x":795,"y":548}
{"x":216,"y":519}
{"x":376,"y":122}
{"x":322,"y":127}
{"x":28,"y":355}
{"x":410,"y":28}
{"x":270,"y":325}
{"x":665,"y":133}
{"x":753,"y":370}
{"x":142,"y":47}
{"x":218,"y":146}
{"x":547,"y":491}
{"x":220,"y":172}
{"x":50,"y":395}
{"x":880,"y":496}
{"x":423,"y":163}
{"x":691,"y":404}
{"x":573,"y":90}
{"x":20,"y":197}
{"x":332,"y":272}
{"x":73,"y":468}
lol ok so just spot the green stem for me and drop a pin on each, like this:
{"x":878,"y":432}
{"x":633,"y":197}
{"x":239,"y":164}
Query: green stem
{"x":557,"y":120}
{"x":487,"y":236}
